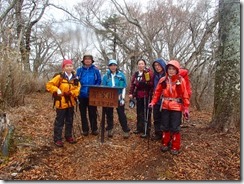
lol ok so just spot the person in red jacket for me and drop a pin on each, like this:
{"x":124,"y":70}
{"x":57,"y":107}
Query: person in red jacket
{"x":175,"y":100}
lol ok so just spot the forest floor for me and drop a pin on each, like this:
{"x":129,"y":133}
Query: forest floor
{"x":205,"y":153}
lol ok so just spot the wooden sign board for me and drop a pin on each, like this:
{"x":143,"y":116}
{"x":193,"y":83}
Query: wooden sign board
{"x":103,"y":96}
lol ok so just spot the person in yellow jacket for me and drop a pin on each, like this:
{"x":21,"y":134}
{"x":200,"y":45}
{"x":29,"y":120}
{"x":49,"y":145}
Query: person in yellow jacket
{"x":65,"y":88}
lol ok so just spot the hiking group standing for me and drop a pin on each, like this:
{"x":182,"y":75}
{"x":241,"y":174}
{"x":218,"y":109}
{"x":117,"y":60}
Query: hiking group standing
{"x":161,"y":90}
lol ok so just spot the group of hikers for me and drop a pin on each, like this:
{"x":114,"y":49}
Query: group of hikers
{"x":162,"y":91}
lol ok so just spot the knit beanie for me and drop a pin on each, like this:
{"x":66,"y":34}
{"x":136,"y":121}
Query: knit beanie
{"x":65,"y":62}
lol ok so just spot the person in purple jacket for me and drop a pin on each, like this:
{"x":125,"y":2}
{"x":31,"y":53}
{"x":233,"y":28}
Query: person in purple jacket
{"x":159,"y":71}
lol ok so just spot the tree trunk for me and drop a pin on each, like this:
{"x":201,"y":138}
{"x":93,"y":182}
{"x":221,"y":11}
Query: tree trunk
{"x":226,"y":115}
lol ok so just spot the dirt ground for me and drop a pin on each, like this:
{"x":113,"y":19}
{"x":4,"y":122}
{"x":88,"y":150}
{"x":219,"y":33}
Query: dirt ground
{"x":205,"y":153}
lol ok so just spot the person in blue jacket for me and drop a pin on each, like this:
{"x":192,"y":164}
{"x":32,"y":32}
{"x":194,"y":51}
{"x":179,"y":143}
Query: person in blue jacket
{"x":116,"y":78}
{"x":159,"y":71}
{"x":88,"y":74}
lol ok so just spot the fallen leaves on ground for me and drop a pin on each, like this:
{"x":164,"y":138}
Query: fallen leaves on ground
{"x":205,"y":153}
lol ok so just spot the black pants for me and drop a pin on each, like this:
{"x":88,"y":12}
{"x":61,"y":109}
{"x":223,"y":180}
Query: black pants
{"x":171,"y":120}
{"x":122,"y":118}
{"x":63,"y":117}
{"x":157,"y":117}
{"x":141,"y":111}
{"x":92,"y":113}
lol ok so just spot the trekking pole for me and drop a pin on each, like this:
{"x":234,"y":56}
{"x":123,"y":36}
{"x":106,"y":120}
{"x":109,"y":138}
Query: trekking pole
{"x":73,"y":131}
{"x":148,"y":137}
{"x":148,"y":112}
{"x":145,"y":118}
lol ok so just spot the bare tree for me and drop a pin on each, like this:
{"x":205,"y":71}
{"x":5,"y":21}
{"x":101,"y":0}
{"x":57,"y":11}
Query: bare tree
{"x":226,"y":115}
{"x":27,"y":15}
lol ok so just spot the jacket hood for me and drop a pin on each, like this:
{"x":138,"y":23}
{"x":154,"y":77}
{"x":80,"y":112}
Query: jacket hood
{"x":161,"y":62}
{"x":174,"y":63}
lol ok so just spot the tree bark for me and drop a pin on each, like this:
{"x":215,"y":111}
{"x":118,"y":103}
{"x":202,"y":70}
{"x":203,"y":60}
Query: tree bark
{"x":226,"y":115}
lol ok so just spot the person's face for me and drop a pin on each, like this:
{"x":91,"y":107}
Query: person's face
{"x":158,"y":67}
{"x":87,"y":61}
{"x":68,"y":68}
{"x":172,"y":70}
{"x":141,"y":65}
{"x":112,"y":68}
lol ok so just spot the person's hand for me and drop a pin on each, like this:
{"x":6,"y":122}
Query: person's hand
{"x":130,"y":96}
{"x":122,"y":102}
{"x":76,"y":82}
{"x":59,"y":92}
{"x":186,"y":114}
{"x":150,"y":105}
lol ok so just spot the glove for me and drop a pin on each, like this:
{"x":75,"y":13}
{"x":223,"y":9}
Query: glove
{"x":122,"y":102}
{"x":186,"y":114}
{"x":59,"y":92}
{"x":76,"y":82}
{"x":132,"y":103}
{"x":150,"y":105}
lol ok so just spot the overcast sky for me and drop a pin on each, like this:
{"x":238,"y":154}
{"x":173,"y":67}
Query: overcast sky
{"x":70,"y":3}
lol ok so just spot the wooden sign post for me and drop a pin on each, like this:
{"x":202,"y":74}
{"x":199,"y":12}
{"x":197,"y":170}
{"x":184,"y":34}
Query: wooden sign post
{"x":103,"y":96}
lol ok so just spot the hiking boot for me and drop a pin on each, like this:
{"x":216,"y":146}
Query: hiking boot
{"x":174,"y":152}
{"x":95,"y":132}
{"x":85,"y":133}
{"x":59,"y":143}
{"x":126,"y":135}
{"x":110,"y":133}
{"x":164,"y":148}
{"x":156,"y":137}
{"x":70,"y":140}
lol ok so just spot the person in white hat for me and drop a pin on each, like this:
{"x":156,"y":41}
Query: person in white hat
{"x":116,"y":78}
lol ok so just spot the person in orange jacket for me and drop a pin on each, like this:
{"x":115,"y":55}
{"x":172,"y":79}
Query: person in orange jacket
{"x":175,"y":100}
{"x":65,"y":88}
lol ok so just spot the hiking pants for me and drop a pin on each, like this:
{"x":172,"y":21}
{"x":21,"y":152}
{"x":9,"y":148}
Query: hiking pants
{"x":92,"y":113}
{"x":121,"y":115}
{"x":140,"y":110}
{"x":63,"y":117}
{"x":171,"y":120}
{"x":157,"y":117}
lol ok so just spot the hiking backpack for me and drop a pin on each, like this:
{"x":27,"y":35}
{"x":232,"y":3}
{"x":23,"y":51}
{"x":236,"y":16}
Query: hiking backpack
{"x":184,"y":73}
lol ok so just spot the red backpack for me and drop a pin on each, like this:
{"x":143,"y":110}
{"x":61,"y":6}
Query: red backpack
{"x":184,"y":73}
